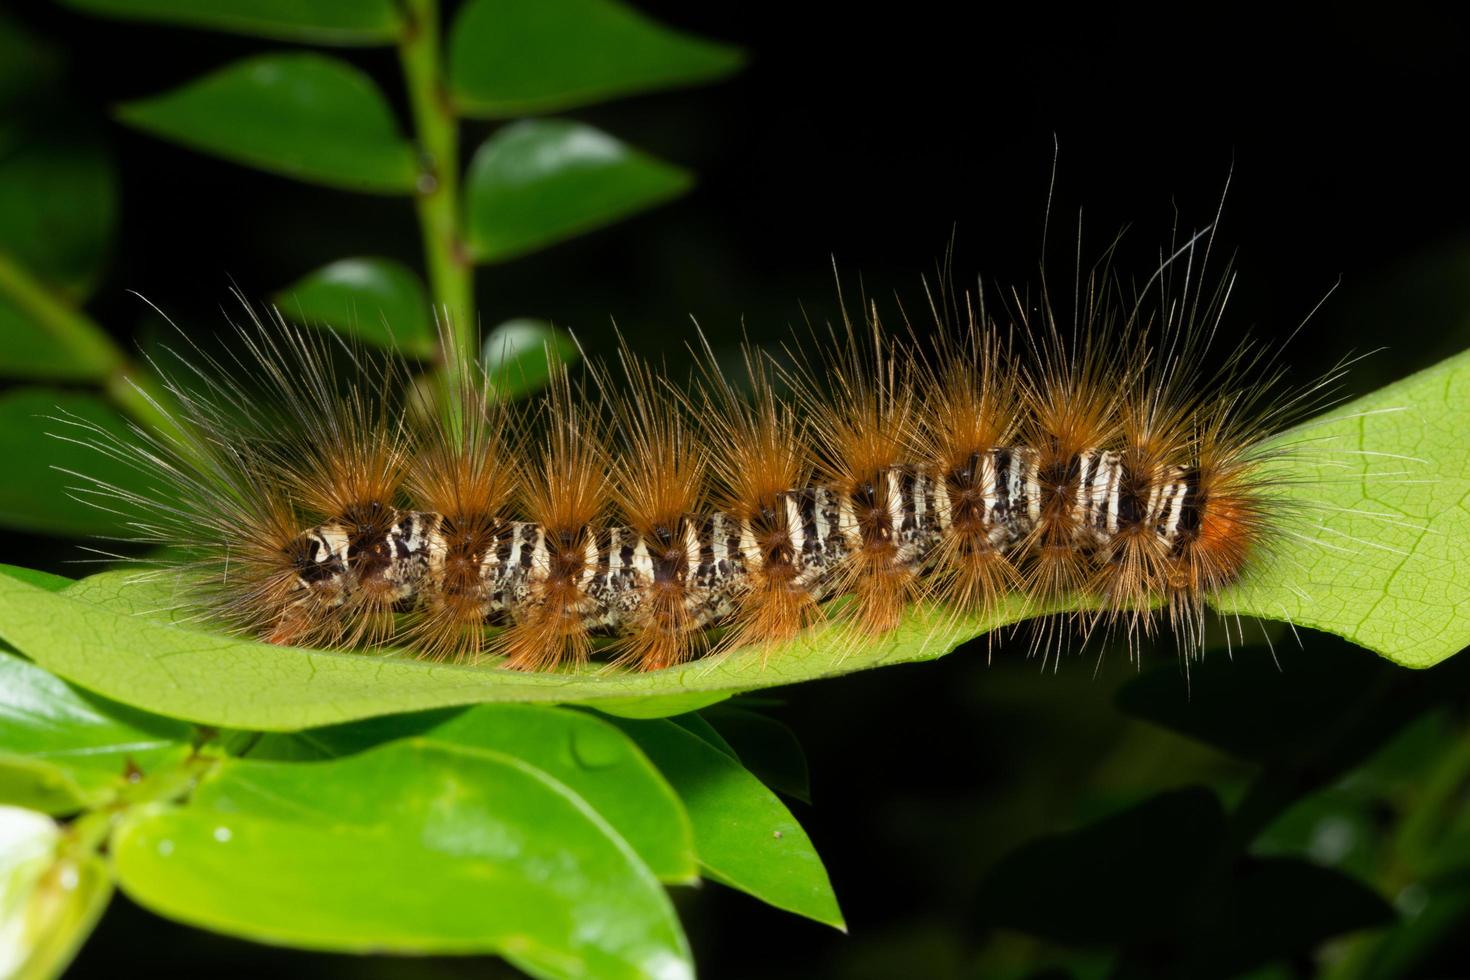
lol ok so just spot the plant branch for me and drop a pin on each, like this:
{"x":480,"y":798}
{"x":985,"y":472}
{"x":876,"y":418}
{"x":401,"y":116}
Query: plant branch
{"x":450,"y":274}
{"x":90,"y":349}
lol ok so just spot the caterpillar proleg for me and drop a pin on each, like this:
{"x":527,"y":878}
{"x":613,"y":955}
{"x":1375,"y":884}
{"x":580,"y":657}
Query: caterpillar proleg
{"x":1095,"y":462}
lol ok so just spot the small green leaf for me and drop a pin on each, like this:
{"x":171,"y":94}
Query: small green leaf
{"x":745,"y":836}
{"x":34,"y":494}
{"x":768,"y":748}
{"x":510,"y":59}
{"x":414,"y":847}
{"x":62,"y":749}
{"x":303,"y":115}
{"x":518,"y":356}
{"x":58,"y":207}
{"x":537,"y":182}
{"x":377,"y":301}
{"x":49,"y":900}
{"x":316,"y":21}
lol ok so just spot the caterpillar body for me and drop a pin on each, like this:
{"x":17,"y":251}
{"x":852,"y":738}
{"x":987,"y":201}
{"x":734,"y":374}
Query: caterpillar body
{"x":350,"y":509}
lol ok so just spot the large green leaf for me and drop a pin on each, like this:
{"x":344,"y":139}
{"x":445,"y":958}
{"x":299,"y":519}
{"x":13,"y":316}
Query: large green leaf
{"x":377,"y":301}
{"x":596,"y":761}
{"x":587,"y":755}
{"x":99,"y":633}
{"x":302,"y":115}
{"x":1381,"y":552}
{"x":745,"y":836}
{"x":318,"y":21}
{"x":510,"y":58}
{"x":34,"y":493}
{"x":412,"y":847}
{"x":62,"y":749}
{"x":538,"y":182}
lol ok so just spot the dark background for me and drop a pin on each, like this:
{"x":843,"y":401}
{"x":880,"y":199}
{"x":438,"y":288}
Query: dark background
{"x":870,"y":138}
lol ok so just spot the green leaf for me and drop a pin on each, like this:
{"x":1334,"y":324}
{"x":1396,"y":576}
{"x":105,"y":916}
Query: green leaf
{"x":414,"y":847}
{"x":34,"y":494}
{"x":49,"y":899}
{"x":597,"y":762}
{"x":745,"y":836}
{"x":303,"y":115}
{"x":511,"y":59}
{"x":185,"y":672}
{"x":317,"y":21}
{"x":590,"y":757}
{"x":538,"y":182}
{"x":518,"y":355}
{"x":768,"y":748}
{"x":58,"y":208}
{"x":63,"y":750}
{"x":1383,"y":554}
{"x":377,"y":301}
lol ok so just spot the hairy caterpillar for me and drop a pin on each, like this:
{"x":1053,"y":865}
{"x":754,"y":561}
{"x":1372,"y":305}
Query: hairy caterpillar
{"x":331,"y":502}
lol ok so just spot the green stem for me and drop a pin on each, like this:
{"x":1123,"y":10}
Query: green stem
{"x":90,"y":832}
{"x":450,"y":273}
{"x":92,"y":352}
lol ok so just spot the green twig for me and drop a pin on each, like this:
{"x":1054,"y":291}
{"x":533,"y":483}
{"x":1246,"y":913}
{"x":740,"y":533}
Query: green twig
{"x":450,"y":275}
{"x":92,"y":352}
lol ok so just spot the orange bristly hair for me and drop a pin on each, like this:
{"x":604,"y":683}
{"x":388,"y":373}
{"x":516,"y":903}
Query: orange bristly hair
{"x":565,"y":492}
{"x":764,"y":452}
{"x":1070,"y":398}
{"x":467,"y":470}
{"x":971,"y":405}
{"x":340,"y":450}
{"x":658,"y":488}
{"x":864,"y":425}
